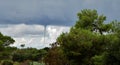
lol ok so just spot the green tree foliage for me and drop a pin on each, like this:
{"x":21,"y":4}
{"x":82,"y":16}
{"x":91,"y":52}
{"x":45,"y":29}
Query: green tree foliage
{"x":112,"y":56}
{"x":55,"y":56}
{"x":7,"y":62}
{"x":5,"y":49}
{"x":32,"y":54}
{"x":90,"y":20}
{"x":116,"y":26}
{"x":81,"y":45}
{"x":5,"y":40}
{"x":22,"y":45}
{"x":91,"y":41}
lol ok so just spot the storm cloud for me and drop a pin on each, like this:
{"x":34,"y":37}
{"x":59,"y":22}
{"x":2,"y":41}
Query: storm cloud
{"x":53,"y":12}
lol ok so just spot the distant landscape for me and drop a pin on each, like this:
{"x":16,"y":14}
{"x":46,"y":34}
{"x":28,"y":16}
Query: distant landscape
{"x":90,"y":41}
{"x":59,"y":32}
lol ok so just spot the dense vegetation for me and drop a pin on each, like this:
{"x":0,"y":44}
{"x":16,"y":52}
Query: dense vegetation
{"x":90,"y":41}
{"x":12,"y":55}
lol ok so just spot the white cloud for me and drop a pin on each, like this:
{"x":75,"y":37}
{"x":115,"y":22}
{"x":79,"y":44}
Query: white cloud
{"x":55,"y":31}
{"x":33,"y":35}
{"x":21,"y":30}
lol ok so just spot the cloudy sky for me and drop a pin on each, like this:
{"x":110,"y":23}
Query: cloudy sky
{"x":24,"y":20}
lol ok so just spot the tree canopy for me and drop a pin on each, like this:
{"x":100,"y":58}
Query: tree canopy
{"x":90,"y":39}
{"x":5,"y":40}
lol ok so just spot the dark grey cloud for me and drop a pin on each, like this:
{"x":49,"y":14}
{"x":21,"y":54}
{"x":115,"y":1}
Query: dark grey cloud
{"x":53,"y":12}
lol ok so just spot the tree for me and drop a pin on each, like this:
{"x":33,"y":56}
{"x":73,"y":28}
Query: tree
{"x":112,"y":56}
{"x":32,"y":54}
{"x":22,"y":45}
{"x":86,"y":40}
{"x":5,"y":49}
{"x":55,"y":56}
{"x":6,"y":62}
{"x":6,"y":40}
{"x":81,"y":45}
{"x":90,"y":20}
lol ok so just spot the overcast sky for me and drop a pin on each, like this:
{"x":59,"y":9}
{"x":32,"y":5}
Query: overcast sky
{"x":24,"y":20}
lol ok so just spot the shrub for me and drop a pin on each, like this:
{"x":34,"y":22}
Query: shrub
{"x":6,"y":62}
